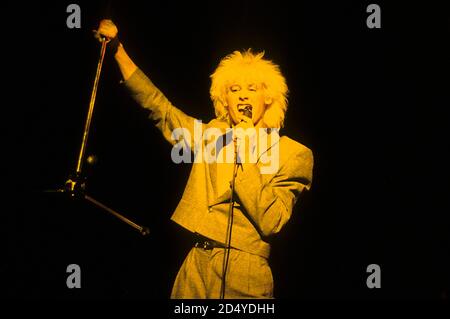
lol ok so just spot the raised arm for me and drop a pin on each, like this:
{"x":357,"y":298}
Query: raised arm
{"x":167,"y":118}
{"x":126,"y":65}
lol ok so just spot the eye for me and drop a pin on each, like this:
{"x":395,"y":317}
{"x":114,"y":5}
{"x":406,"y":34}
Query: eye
{"x":252,"y":88}
{"x":235,"y":88}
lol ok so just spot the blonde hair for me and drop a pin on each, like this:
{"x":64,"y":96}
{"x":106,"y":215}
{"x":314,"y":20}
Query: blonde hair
{"x":249,"y":65}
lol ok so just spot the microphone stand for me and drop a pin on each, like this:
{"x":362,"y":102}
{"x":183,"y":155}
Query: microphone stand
{"x":248,"y":113}
{"x":226,"y":256}
{"x":75,"y":186}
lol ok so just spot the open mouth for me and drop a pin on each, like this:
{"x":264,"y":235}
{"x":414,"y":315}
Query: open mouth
{"x":244,"y":107}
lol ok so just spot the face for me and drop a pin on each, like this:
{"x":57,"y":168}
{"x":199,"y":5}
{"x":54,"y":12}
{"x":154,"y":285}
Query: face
{"x":242,"y":94}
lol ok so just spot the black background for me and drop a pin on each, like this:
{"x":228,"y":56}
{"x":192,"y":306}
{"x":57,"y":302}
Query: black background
{"x":371,"y":103}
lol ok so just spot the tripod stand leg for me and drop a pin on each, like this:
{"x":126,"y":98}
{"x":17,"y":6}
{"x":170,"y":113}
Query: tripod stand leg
{"x":143,"y":230}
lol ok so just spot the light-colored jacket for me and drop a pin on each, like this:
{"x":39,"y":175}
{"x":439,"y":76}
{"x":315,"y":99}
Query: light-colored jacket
{"x":264,"y":202}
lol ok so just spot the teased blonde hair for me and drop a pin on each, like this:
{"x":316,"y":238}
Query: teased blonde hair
{"x":248,"y":65}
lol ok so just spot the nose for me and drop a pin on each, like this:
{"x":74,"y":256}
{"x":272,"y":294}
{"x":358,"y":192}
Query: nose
{"x":243,"y":97}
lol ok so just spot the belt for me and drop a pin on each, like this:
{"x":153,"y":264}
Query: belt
{"x":206,"y":243}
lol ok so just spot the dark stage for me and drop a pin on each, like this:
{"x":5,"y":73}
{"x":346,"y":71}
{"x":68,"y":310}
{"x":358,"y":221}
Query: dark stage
{"x":372,"y":104}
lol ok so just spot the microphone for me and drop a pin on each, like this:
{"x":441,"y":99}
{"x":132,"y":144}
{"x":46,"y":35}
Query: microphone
{"x":247,"y":111}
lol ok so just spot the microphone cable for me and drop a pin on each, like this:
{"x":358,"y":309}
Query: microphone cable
{"x":226,"y":256}
{"x":247,"y":112}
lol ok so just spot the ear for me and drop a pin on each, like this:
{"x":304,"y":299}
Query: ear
{"x":268,"y":100}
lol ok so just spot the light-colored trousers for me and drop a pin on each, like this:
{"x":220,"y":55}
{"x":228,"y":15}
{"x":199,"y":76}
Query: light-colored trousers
{"x":200,"y":276}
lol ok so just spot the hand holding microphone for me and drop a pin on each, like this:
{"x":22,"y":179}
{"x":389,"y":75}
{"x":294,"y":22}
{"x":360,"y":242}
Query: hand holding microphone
{"x":246,"y":118}
{"x":245,"y":129}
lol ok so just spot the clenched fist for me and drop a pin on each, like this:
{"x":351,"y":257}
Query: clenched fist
{"x":106,"y":29}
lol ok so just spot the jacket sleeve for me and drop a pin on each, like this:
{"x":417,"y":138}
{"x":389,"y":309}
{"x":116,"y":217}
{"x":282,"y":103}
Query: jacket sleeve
{"x":176,"y":126}
{"x":270,"y":204}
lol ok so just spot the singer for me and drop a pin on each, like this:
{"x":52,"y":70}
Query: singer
{"x":248,"y":93}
